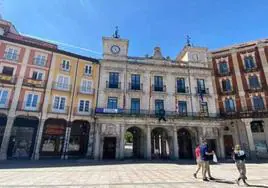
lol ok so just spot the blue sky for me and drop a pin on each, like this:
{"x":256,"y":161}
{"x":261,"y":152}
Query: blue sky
{"x":146,"y":23}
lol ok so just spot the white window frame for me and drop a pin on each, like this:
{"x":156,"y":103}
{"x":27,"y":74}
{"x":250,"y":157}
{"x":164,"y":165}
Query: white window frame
{"x":62,"y":63}
{"x":59,"y":110}
{"x":38,"y":62}
{"x":68,"y":84}
{"x":90,"y":91}
{"x":38,"y":71}
{"x":85,"y":73}
{"x":8,"y":97}
{"x":89,"y":106}
{"x":25,"y":101}
{"x":13,"y":48}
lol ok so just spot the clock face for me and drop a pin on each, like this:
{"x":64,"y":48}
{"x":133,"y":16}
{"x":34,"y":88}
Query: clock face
{"x":115,"y":49}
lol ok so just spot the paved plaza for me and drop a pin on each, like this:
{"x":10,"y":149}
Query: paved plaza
{"x":121,"y":174}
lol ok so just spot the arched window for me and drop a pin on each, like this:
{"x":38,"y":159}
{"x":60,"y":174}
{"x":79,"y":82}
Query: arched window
{"x":257,"y":127}
{"x":253,"y":81}
{"x":229,"y":105}
{"x":249,"y":62}
{"x":226,"y":85}
{"x":258,"y":103}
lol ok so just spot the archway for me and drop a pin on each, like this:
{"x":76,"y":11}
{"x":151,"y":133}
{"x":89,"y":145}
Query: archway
{"x":53,"y":137}
{"x":185,"y":144}
{"x":160,"y":144}
{"x":134,"y":143}
{"x":3,"y":122}
{"x":78,"y":142}
{"x":22,"y":138}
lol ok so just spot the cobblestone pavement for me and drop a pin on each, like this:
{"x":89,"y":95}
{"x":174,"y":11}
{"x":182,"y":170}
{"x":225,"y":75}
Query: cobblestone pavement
{"x":124,"y":175}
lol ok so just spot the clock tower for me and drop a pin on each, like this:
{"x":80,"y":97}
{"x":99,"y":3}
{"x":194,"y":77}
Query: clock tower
{"x":115,"y":48}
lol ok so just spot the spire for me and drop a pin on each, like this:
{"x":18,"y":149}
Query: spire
{"x":116,"y":33}
{"x":188,"y":41}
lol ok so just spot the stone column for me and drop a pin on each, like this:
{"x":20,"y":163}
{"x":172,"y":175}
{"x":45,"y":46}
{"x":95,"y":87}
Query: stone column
{"x":36,"y":153}
{"x":250,"y":138}
{"x":221,"y":143}
{"x":148,"y":148}
{"x":97,"y":142}
{"x":90,"y":141}
{"x":13,"y":108}
{"x":175,"y":144}
{"x":64,"y":154}
{"x":122,"y":141}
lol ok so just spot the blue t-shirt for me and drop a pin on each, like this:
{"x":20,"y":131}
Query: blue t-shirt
{"x":203,"y":150}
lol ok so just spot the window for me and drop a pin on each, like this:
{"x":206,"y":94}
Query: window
{"x":40,"y":60}
{"x":257,"y":127}
{"x":37,"y":75}
{"x":135,"y":105}
{"x":65,"y":65}
{"x":204,"y":107}
{"x":86,"y":86}
{"x":158,"y":83}
{"x":159,"y":104}
{"x":31,"y":101}
{"x":182,"y":107}
{"x":201,"y":86}
{"x":181,"y":85}
{"x":229,"y":105}
{"x":253,"y":82}
{"x":249,"y":63}
{"x":3,"y":97}
{"x":8,"y":71}
{"x":135,"y":82}
{"x":88,"y":69}
{"x":258,"y":103}
{"x":112,"y":103}
{"x":11,"y":54}
{"x":223,"y":67}
{"x":63,"y":82}
{"x":226,"y":85}
{"x":84,"y":106}
{"x":59,"y":103}
{"x":113,"y":80}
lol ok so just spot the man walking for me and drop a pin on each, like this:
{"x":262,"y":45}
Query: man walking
{"x":239,"y":157}
{"x":205,"y":157}
{"x":198,"y":160}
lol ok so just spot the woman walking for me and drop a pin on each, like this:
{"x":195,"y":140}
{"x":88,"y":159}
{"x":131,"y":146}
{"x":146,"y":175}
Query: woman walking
{"x":239,"y":157}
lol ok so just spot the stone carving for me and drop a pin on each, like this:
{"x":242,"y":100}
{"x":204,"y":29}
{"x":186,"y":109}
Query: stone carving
{"x":210,"y":132}
{"x":110,"y":130}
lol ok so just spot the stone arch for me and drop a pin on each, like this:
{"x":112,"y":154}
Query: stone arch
{"x":161,"y":143}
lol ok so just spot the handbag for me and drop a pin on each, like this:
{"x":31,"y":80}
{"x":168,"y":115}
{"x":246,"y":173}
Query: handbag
{"x":215,"y":160}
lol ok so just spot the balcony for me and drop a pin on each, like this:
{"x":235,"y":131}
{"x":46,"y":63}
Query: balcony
{"x":245,"y":114}
{"x":77,"y":112}
{"x":7,"y":79}
{"x":11,"y":56}
{"x":58,"y":110}
{"x":225,"y":73}
{"x":135,"y":87}
{"x":254,"y":89}
{"x":159,"y":88}
{"x":250,"y":69}
{"x":21,"y":106}
{"x":61,"y":86}
{"x":39,"y":62}
{"x":86,"y":90}
{"x":112,"y":85}
{"x":34,"y":83}
{"x":227,"y":92}
{"x":204,"y":91}
{"x":184,"y":90}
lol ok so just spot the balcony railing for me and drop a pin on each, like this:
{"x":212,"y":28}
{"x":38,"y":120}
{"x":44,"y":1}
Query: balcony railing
{"x":61,"y":86}
{"x":39,"y":62}
{"x":204,"y":91}
{"x":112,"y":85}
{"x":58,"y":110}
{"x":250,"y":69}
{"x":78,"y":112}
{"x":158,"y":88}
{"x":260,"y":113}
{"x":34,"y":83}
{"x":135,"y":87}
{"x":21,"y":106}
{"x":11,"y":56}
{"x":226,"y":73}
{"x":228,"y":92}
{"x":184,"y":90}
{"x":86,"y":90}
{"x":254,"y":89}
{"x":8,"y":79}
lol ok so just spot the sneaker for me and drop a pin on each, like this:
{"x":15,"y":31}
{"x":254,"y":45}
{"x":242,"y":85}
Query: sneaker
{"x":195,"y":175}
{"x":211,"y":178}
{"x":205,"y":179}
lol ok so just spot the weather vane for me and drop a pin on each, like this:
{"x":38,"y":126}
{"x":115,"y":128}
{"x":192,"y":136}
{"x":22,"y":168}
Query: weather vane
{"x":116,"y":35}
{"x":188,"y":40}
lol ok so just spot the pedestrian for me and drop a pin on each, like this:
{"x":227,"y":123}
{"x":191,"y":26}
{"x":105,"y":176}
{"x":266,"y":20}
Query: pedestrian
{"x":239,"y":157}
{"x":205,"y":157}
{"x":198,"y":160}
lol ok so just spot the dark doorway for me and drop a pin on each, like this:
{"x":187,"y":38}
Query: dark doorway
{"x":133,"y":143}
{"x":212,"y":145}
{"x":53,"y":137}
{"x":109,"y":148}
{"x":228,"y":145}
{"x":3,"y":122}
{"x":22,"y":139}
{"x":185,"y":144}
{"x":78,"y":142}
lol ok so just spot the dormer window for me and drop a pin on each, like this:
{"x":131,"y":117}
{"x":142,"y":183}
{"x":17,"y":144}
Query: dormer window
{"x":249,"y":63}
